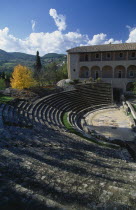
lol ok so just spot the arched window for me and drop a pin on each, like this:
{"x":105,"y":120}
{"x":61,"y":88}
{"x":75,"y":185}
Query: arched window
{"x":95,"y":72}
{"x":131,"y":74}
{"x":131,"y":71}
{"x":84,"y":72}
{"x":119,"y":72}
{"x":107,"y":72}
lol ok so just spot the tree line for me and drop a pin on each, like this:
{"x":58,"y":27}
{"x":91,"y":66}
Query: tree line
{"x":24,"y":77}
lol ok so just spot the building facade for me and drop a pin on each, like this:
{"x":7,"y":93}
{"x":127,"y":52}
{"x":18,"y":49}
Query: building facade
{"x":113,"y":63}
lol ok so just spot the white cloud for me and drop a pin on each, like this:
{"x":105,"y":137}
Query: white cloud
{"x":8,"y":42}
{"x":132,"y":35}
{"x":53,"y":42}
{"x":33,"y":22}
{"x":97,"y":39}
{"x":56,"y":41}
{"x":102,"y":39}
{"x":59,"y":19}
{"x":129,"y":27}
{"x":44,"y":42}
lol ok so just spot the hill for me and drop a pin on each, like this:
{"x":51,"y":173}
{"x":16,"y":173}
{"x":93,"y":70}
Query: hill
{"x":23,"y":56}
{"x":5,"y":55}
{"x":10,"y":59}
{"x":53,"y":55}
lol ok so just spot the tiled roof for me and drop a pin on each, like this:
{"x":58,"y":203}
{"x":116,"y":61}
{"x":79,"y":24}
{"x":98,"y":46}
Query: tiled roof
{"x":102,"y":48}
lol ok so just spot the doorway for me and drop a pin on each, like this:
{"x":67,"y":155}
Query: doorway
{"x":119,"y":74}
{"x":96,"y":75}
{"x":117,"y":92}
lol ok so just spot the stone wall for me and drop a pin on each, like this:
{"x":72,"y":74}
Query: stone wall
{"x":74,"y":66}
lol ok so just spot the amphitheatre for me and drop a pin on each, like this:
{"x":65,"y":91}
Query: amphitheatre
{"x":55,"y":152}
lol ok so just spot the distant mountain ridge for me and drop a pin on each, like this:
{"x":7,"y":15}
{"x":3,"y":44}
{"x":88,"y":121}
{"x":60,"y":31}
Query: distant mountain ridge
{"x":18,"y":55}
{"x":5,"y":55}
{"x":53,"y":55}
{"x":8,"y":60}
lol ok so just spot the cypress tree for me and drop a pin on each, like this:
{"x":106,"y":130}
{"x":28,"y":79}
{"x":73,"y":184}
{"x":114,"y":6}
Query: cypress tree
{"x":38,"y":64}
{"x":37,"y":67}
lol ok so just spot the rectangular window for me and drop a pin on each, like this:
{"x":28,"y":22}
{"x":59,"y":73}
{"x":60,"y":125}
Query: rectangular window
{"x":108,"y":55}
{"x":121,"y":55}
{"x":87,"y":74}
{"x":119,"y":74}
{"x":131,"y":74}
{"x":97,"y":55}
{"x":133,"y":54}
{"x":81,"y":57}
{"x":86,"y":57}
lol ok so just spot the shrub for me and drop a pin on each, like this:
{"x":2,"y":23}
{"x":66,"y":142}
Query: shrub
{"x":91,"y":79}
{"x":98,"y":79}
{"x":71,"y":82}
{"x":2,"y":84}
{"x":76,"y":81}
{"x":134,"y":87}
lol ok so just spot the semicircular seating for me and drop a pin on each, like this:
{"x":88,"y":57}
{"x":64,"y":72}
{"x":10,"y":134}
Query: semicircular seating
{"x":47,"y":112}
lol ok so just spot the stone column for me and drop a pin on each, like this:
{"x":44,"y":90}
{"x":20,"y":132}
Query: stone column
{"x":113,"y":70}
{"x":101,"y":56}
{"x":125,"y":72}
{"x":100,"y":72}
{"x":113,"y":56}
{"x":90,"y":72}
{"x":127,"y":56}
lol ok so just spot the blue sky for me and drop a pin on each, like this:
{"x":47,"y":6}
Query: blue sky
{"x":57,"y":25}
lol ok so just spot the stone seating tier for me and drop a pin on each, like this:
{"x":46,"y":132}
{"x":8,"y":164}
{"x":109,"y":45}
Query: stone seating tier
{"x":48,"y":111}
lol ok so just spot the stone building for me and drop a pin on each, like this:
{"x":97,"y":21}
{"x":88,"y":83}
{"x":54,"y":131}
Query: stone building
{"x":114,"y":63}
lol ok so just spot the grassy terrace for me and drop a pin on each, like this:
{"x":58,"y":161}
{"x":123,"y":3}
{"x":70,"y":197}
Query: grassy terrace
{"x":5,"y":99}
{"x":72,"y":130}
{"x":134,"y":105}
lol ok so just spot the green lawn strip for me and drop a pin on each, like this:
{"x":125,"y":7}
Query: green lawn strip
{"x":72,"y":130}
{"x":5,"y":99}
{"x":134,"y":106}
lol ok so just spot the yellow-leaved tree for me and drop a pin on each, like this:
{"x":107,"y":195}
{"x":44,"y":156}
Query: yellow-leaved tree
{"x":22,"y":78}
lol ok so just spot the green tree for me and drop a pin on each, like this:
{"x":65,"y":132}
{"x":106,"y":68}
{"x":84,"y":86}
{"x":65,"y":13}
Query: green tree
{"x":62,"y":72}
{"x":133,"y":87}
{"x":8,"y":75}
{"x":3,"y":75}
{"x":53,"y":73}
{"x":50,"y":73}
{"x":37,"y":68}
{"x":2,"y":84}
